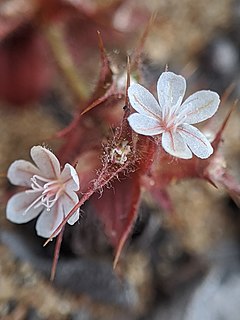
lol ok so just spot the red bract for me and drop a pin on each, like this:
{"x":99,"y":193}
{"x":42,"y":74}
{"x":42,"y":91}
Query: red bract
{"x":89,"y":128}
{"x":117,"y":208}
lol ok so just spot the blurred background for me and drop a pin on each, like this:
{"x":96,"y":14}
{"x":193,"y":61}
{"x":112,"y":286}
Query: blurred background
{"x":184,"y":267}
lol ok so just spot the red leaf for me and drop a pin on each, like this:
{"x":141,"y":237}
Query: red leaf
{"x":87,"y":165}
{"x":117,"y":209}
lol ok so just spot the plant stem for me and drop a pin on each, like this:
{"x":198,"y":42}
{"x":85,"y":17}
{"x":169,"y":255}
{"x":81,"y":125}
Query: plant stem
{"x":55,"y":37}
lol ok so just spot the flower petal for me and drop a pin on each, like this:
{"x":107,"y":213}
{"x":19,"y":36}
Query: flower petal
{"x":196,"y":141}
{"x":46,"y":161}
{"x":174,"y":144}
{"x":70,"y":177}
{"x":143,"y":101}
{"x":171,"y":90}
{"x":199,"y":106}
{"x":144,"y":125}
{"x":20,"y":173}
{"x":17,"y":206}
{"x":68,"y":201}
{"x":48,"y":221}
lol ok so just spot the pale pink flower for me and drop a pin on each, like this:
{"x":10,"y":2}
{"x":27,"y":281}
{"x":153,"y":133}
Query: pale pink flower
{"x":51,"y":193}
{"x":172,"y":118}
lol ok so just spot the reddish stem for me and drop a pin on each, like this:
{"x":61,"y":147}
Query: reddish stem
{"x":101,"y":183}
{"x":56,"y":254}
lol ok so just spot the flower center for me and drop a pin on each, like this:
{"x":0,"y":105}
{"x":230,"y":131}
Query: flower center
{"x":50,"y":191}
{"x":119,"y":153}
{"x":171,"y":119}
{"x":168,"y":122}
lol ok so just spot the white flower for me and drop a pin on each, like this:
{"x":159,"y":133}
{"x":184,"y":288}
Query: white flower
{"x":171,"y":118}
{"x":50,"y":191}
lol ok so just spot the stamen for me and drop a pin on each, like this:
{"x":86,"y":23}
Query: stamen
{"x":40,"y":178}
{"x":33,"y":203}
{"x":50,"y":191}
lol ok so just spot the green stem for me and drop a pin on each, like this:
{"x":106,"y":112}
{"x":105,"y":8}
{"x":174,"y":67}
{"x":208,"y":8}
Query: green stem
{"x":55,"y":37}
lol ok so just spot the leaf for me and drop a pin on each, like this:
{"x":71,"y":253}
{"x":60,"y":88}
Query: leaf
{"x":117,"y":209}
{"x":87,"y":165}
